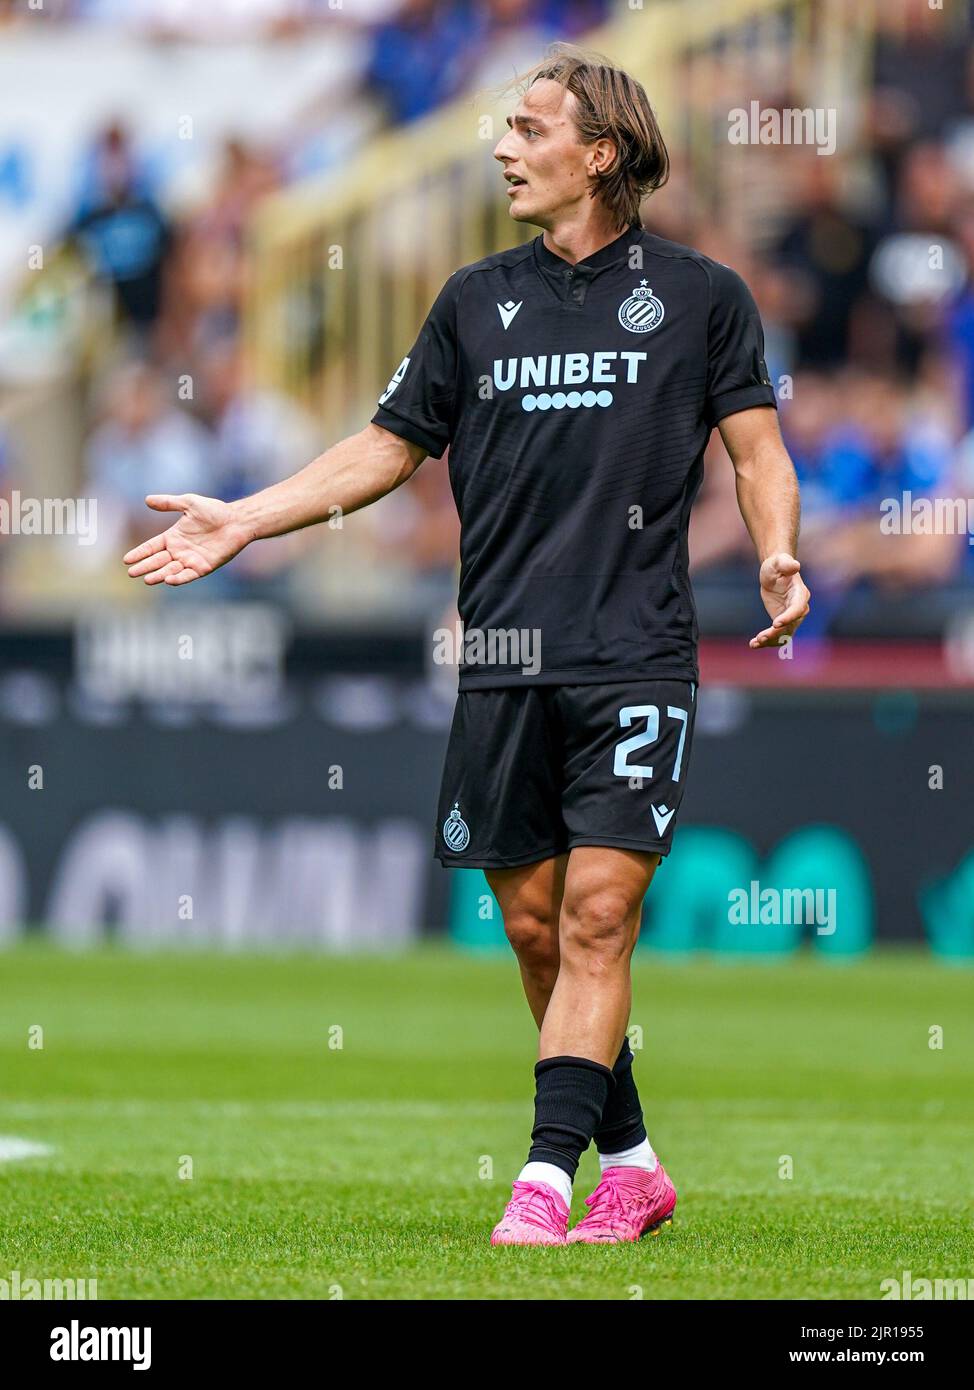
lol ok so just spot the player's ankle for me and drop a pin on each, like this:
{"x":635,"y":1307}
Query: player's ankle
{"x":640,"y":1155}
{"x":555,"y":1177}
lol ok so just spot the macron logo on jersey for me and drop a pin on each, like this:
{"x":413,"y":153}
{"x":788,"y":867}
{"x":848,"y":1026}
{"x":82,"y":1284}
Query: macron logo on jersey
{"x":507,"y":312}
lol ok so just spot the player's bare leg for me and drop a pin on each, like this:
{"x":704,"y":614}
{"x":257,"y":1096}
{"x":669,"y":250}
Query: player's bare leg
{"x":587,"y":1019}
{"x":600,"y":915}
{"x":532,"y":900}
{"x":529,"y":898}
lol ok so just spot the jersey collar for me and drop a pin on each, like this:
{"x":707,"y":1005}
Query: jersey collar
{"x":614,"y":253}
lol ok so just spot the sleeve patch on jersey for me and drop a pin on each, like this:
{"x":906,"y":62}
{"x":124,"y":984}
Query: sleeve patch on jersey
{"x":394,"y":381}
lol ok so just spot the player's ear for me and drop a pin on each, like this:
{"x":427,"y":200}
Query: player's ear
{"x":602,"y":156}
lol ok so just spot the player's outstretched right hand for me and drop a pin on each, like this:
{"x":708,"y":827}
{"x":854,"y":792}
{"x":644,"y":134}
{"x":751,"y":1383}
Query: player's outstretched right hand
{"x":206,"y":536}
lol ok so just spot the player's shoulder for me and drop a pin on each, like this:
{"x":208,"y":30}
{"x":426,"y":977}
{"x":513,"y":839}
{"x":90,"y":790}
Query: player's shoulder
{"x":719,"y":279}
{"x":499,"y":260}
{"x":502,"y":260}
{"x":446,"y":306}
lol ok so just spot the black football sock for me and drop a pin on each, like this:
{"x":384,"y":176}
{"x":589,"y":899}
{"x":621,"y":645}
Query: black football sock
{"x":621,"y":1126}
{"x":569,"y":1099}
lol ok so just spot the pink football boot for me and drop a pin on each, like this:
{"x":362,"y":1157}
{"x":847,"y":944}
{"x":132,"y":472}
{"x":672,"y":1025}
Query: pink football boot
{"x":535,"y":1215}
{"x":628,"y":1203}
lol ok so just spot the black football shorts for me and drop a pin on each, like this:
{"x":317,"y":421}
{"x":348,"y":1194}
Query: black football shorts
{"x":533,"y":771}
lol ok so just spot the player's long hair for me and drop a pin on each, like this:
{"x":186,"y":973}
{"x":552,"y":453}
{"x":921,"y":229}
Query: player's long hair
{"x":612,"y":105}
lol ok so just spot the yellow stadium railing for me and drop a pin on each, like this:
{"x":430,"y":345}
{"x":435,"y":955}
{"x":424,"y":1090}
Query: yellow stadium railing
{"x":342,"y":270}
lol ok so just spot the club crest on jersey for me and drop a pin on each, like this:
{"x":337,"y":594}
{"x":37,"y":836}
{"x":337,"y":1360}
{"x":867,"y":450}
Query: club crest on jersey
{"x":642,"y":311}
{"x":456,"y":832}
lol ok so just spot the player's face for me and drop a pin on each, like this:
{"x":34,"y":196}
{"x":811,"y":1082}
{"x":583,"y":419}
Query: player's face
{"x":546,"y":166}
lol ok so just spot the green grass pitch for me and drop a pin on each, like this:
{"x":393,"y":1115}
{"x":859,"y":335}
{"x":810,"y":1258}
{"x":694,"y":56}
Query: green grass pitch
{"x":377,"y":1169}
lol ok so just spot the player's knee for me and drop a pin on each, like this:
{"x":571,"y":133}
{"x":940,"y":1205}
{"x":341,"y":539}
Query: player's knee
{"x":597,"y":924}
{"x":534,"y":938}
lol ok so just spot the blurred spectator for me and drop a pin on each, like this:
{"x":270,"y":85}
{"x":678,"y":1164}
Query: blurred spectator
{"x":205,"y":278}
{"x":422,"y":56}
{"x":572,"y":17}
{"x":882,"y":443}
{"x":143,"y":443}
{"x":246,"y":175}
{"x":959,"y":318}
{"x":121,"y":230}
{"x":259,"y":437}
{"x":513,"y":33}
{"x":824,"y":255}
{"x":916,"y":264}
{"x":922,"y":73}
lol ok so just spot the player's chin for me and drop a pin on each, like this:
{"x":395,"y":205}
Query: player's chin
{"x":520,"y":210}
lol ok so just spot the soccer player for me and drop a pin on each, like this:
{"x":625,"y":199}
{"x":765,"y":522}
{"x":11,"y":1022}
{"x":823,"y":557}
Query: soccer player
{"x":576,"y":380}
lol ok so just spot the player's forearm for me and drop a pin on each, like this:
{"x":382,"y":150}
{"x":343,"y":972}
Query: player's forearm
{"x":348,"y":476}
{"x":767,"y":494}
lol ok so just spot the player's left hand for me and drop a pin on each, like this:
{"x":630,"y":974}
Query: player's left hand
{"x":785,"y":597}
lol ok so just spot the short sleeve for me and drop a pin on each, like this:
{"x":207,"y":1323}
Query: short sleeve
{"x":418,"y":404}
{"x":737,"y":376}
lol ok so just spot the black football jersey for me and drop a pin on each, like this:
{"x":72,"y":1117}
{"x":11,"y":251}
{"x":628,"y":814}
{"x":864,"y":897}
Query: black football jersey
{"x":576,"y":401}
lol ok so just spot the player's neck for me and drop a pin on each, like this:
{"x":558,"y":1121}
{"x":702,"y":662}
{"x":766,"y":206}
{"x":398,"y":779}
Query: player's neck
{"x":581,"y":234}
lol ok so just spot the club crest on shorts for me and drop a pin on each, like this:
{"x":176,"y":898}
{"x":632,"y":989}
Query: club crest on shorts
{"x":642,"y":311}
{"x":456,"y":832}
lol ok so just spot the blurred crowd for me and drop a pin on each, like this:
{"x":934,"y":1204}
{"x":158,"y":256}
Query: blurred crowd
{"x":865,"y":284}
{"x":866,"y":292}
{"x":174,"y":265}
